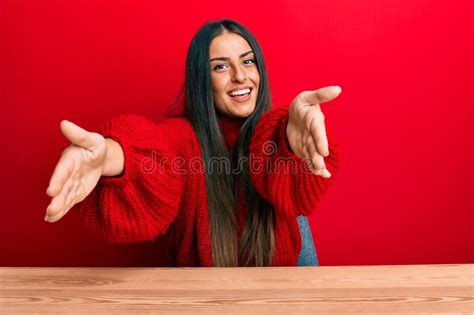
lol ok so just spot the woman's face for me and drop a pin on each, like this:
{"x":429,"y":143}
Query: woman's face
{"x":234,"y":75}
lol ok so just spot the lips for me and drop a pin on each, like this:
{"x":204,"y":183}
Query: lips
{"x":241,"y":98}
{"x":239,"y":89}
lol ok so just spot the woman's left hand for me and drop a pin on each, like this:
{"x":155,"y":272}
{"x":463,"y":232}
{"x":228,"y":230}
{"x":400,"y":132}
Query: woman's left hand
{"x":306,"y":131}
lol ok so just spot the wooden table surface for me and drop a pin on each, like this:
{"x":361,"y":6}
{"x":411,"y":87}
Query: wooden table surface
{"x":287,"y":290}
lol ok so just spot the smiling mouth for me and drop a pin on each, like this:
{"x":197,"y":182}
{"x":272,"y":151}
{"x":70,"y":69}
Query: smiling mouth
{"x":242,"y":96}
{"x":242,"y":93}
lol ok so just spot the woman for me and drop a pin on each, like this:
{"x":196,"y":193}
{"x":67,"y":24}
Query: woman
{"x":136,"y":180}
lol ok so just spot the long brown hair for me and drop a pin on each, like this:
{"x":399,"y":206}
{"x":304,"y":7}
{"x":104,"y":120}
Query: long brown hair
{"x":257,"y":245}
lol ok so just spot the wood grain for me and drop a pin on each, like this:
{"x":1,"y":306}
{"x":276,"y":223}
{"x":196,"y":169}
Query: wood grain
{"x":413,"y":289}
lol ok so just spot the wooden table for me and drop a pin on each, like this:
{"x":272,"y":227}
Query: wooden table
{"x":288,"y":290}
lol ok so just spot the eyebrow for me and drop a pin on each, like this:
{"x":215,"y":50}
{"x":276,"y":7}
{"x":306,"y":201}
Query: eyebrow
{"x":227,"y":58}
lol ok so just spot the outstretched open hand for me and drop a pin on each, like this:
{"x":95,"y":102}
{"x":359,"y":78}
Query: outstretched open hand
{"x":306,"y":130}
{"x":77,"y":171}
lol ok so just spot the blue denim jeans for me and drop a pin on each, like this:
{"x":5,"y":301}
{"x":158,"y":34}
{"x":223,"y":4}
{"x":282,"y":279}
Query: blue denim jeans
{"x":307,"y":256}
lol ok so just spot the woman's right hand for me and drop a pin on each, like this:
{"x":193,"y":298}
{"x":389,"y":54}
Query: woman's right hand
{"x":78,"y":170}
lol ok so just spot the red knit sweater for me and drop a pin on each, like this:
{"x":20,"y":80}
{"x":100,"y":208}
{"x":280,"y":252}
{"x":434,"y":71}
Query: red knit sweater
{"x":163,"y":188}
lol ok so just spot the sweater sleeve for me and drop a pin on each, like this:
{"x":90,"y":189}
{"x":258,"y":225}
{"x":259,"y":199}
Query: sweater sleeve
{"x":142,"y":202}
{"x":282,"y":177}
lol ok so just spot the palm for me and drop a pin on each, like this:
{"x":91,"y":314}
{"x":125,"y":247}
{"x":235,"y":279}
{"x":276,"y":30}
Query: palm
{"x":306,"y":131}
{"x":78,"y":170}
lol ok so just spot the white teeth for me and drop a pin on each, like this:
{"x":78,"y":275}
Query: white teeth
{"x":240,"y":92}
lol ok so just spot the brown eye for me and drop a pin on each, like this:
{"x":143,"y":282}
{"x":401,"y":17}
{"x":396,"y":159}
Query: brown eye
{"x":218,"y":67}
{"x":249,"y":61}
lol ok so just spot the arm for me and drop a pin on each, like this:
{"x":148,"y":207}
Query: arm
{"x":281,"y":176}
{"x":139,"y":195}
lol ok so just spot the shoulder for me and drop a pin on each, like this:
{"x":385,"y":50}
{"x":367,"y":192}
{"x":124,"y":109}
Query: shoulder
{"x":133,"y":122}
{"x":175,"y":132}
{"x":178,"y":125}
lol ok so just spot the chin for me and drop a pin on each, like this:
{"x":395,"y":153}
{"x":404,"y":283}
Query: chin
{"x":242,"y":113}
{"x":241,"y":110}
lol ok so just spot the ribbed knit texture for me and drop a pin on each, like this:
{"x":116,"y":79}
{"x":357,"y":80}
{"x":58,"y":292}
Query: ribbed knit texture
{"x":281,"y":176}
{"x":163,"y":188}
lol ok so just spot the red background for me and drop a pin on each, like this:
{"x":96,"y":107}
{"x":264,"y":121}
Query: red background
{"x":404,"y":194}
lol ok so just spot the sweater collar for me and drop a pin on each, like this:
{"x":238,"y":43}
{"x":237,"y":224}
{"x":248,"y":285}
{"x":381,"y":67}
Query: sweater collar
{"x":230,"y":127}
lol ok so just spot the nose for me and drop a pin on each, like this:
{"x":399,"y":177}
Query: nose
{"x":239,"y":75}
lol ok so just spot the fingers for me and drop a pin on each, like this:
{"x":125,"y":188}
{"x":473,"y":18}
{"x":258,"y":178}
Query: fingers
{"x":312,"y":162}
{"x":307,"y":149}
{"x":317,"y":129}
{"x":317,"y":160}
{"x":78,"y":135}
{"x":62,"y":172}
{"x":304,"y":139}
{"x":323,"y":95}
{"x":65,"y":183}
{"x":55,"y":208}
{"x":63,"y":202}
